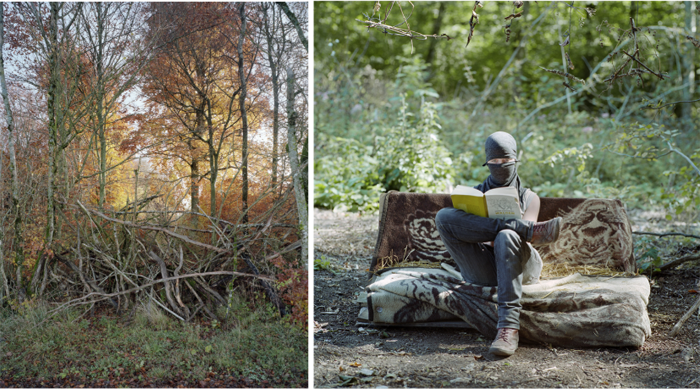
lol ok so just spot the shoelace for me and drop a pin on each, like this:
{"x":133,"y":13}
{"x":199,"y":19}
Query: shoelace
{"x":539,"y":227}
{"x":544,"y":229}
{"x":503,"y":335}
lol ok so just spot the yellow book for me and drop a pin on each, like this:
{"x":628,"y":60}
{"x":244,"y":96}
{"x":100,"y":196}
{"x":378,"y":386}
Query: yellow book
{"x":498,"y":203}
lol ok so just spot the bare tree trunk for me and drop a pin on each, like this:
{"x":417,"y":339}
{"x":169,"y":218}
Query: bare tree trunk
{"x":15,"y":211}
{"x":294,"y":164}
{"x":4,"y":287}
{"x":194,"y":180}
{"x":51,"y":107}
{"x":244,"y":115}
{"x":274,"y":73}
{"x":100,"y":104}
{"x":437,"y":25}
{"x":285,"y":8}
{"x":687,"y":65}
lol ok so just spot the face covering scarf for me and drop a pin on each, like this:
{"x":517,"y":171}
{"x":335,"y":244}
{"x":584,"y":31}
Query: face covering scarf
{"x":502,"y":145}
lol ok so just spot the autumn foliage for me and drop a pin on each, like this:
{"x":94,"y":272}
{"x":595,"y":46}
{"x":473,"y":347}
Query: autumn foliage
{"x":130,"y":153}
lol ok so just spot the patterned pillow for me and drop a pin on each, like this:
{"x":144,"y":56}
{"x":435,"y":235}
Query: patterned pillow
{"x":596,"y":232}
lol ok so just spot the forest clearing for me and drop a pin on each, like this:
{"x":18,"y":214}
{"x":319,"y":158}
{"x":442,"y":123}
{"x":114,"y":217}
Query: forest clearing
{"x":601,"y":100}
{"x":350,"y":354}
{"x":153,"y":209}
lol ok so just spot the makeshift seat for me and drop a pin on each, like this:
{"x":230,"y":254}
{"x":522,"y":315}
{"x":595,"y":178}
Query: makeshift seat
{"x":414,"y":281}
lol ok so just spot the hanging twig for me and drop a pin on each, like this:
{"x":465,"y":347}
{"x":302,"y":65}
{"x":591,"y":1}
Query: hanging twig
{"x":529,"y":31}
{"x":615,"y":75}
{"x":643,"y":65}
{"x":514,"y":15}
{"x":401,"y":31}
{"x":568,"y":61}
{"x":472,"y":23}
{"x":397,"y":30}
{"x":694,"y":41}
{"x":567,"y":75}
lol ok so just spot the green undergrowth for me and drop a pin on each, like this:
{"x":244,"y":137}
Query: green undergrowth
{"x":151,"y":348}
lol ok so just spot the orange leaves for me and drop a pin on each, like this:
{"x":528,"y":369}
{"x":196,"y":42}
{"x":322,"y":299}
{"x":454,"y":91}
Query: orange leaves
{"x":293,"y":282}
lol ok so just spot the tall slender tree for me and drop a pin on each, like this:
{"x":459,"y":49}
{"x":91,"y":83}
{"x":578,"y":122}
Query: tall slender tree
{"x":11,"y":137}
{"x":297,"y":169}
{"x":244,"y":114}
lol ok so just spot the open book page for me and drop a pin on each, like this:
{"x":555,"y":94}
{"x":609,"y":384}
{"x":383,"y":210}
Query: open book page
{"x":469,"y":200}
{"x":503,"y":203}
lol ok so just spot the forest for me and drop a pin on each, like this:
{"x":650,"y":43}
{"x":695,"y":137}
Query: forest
{"x":601,"y":97}
{"x":153,"y":207}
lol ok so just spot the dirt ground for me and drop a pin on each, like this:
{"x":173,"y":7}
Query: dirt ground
{"x":348,"y":355}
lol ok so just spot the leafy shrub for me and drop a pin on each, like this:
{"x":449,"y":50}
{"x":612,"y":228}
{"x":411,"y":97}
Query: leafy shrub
{"x":346,"y":173}
{"x":377,"y":132}
{"x":406,"y":157}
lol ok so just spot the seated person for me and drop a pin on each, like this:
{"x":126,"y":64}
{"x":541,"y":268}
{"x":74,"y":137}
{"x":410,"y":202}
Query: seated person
{"x":498,"y":252}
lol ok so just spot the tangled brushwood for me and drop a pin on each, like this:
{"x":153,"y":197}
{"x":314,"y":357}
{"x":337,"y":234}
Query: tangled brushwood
{"x":121,"y":259}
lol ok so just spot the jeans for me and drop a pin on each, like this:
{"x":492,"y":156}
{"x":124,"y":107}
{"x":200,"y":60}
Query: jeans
{"x":508,"y":264}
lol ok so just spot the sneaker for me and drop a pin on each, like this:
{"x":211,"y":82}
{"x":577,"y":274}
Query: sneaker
{"x":544,"y":233}
{"x":506,"y":342}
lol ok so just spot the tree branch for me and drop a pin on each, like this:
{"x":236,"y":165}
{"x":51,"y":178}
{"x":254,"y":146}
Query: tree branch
{"x":677,"y":102}
{"x":105,"y":296}
{"x":285,"y":8}
{"x":685,"y":317}
{"x":665,"y":234}
{"x":676,"y":262}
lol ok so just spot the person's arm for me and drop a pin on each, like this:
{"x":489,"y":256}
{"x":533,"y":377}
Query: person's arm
{"x":531,"y":213}
{"x":533,"y":210}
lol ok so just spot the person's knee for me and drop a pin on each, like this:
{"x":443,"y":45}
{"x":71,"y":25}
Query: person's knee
{"x":507,"y":237}
{"x":443,"y":217}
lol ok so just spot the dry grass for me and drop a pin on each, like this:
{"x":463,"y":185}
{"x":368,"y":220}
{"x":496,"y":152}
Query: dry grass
{"x":549,"y":270}
{"x":381,"y":264}
{"x":557,"y":270}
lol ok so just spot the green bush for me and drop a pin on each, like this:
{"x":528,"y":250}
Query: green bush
{"x":376,"y":134}
{"x":406,"y":157}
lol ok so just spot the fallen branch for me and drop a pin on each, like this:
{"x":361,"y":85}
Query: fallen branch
{"x":90,"y":283}
{"x":685,"y":317}
{"x":105,"y":296}
{"x":674,"y":263}
{"x":665,"y":234}
{"x":154,"y":228}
